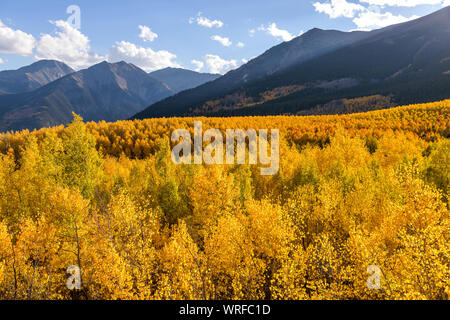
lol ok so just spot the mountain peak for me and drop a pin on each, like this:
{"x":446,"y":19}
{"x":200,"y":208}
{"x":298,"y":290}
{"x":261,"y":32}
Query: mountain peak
{"x":105,"y":65}
{"x":32,"y":76}
{"x":41,"y":64}
{"x":314,"y":30}
{"x":122,"y":63}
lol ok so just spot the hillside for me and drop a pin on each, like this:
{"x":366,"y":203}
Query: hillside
{"x":139,"y":138}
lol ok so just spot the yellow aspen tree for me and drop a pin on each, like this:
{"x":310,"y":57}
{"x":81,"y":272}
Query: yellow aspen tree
{"x":183,"y":273}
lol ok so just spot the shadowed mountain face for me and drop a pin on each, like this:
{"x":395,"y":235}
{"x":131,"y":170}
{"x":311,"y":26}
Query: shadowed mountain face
{"x":181,"y":79}
{"x":33,"y":76}
{"x":313,"y":43}
{"x":409,"y":62}
{"x":102,"y":92}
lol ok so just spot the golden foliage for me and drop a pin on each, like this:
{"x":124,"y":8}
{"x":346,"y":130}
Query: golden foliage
{"x":352,"y":192}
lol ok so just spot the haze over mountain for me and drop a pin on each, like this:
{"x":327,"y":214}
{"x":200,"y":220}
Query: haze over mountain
{"x":181,"y":79}
{"x":33,"y":76}
{"x":408,"y":63}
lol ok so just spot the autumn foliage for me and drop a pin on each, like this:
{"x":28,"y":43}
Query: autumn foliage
{"x":352,"y":192}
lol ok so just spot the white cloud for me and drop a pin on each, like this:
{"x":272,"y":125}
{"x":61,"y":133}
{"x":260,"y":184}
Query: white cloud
{"x":1,"y":61}
{"x":147,"y":34}
{"x":251,"y":32}
{"x":145,"y":58}
{"x":404,"y":3}
{"x":338,"y":8}
{"x":69,"y":45}
{"x":216,"y":64}
{"x":370,"y":20}
{"x":198,"y":64}
{"x":15,"y":41}
{"x":371,"y":17}
{"x":205,"y":22}
{"x":273,"y":30}
{"x":222,"y":40}
{"x":240,"y":44}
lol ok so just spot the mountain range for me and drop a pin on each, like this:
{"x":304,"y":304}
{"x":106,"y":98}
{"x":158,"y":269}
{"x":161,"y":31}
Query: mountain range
{"x":401,"y":64}
{"x":47,"y":92}
{"x":319,"y":72}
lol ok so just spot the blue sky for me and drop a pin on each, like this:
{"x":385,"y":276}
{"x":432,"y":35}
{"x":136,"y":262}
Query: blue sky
{"x":208,"y":36}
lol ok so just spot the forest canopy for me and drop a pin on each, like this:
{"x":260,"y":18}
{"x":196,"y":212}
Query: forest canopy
{"x":353,"y":191}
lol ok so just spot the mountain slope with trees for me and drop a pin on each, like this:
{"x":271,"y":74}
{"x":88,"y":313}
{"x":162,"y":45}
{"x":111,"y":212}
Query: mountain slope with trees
{"x":409,"y":63}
